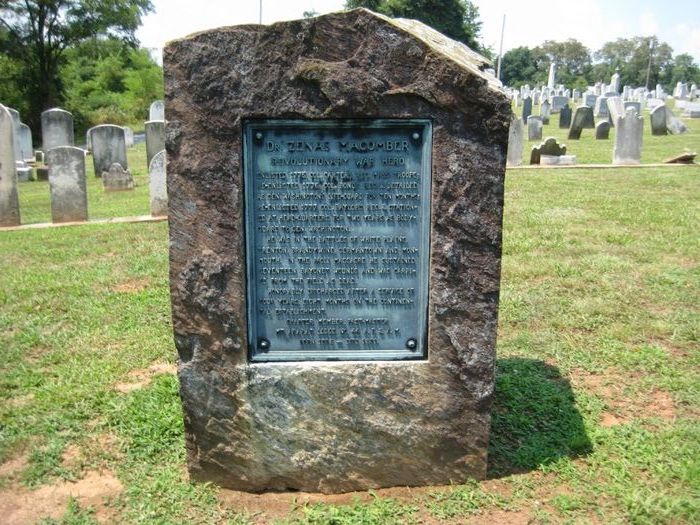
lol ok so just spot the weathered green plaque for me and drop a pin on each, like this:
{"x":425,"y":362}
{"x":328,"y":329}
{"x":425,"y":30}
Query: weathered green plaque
{"x":337,"y":236}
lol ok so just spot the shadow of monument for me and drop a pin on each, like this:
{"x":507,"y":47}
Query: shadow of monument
{"x":535,"y":420}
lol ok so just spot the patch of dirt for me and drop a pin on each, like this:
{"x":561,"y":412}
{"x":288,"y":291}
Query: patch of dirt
{"x":610,"y":420}
{"x":20,"y":506}
{"x":12,"y":468}
{"x":132,"y":285}
{"x":71,"y":457}
{"x":138,"y":379}
{"x":519,"y":517}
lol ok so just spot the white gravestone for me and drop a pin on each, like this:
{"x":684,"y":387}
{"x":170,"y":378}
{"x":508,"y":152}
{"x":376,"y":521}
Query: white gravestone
{"x":628,"y":138}
{"x":56,"y":128}
{"x":108,"y":146}
{"x":9,"y":201}
{"x":67,"y":184}
{"x":157,"y":186}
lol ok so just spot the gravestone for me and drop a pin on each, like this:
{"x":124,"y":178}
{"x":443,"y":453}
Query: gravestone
{"x":156,"y":185}
{"x":602,"y":130}
{"x":628,"y":138}
{"x":108,"y":146}
{"x":559,"y":102}
{"x":536,"y":97}
{"x":589,"y":99}
{"x":549,"y":147}
{"x":129,"y":137}
{"x":56,"y":128}
{"x":601,"y":107}
{"x":534,"y":128}
{"x":26,"y":146}
{"x":616,"y":108}
{"x":565,"y":117}
{"x":9,"y":201}
{"x":157,"y":111}
{"x":307,"y":364}
{"x":658,"y":119}
{"x":545,"y":111}
{"x":674,"y":125}
{"x":67,"y":184}
{"x":557,"y":160}
{"x":637,"y":106}
{"x":117,"y":178}
{"x":155,"y":138}
{"x":583,"y":118}
{"x":516,"y":136}
{"x":527,"y":108}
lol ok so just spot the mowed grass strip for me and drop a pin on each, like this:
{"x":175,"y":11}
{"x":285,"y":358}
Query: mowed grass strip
{"x":596,"y":405}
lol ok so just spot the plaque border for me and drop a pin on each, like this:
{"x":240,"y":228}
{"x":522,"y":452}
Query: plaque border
{"x":420,"y":353}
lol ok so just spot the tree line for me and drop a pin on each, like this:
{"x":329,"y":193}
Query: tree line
{"x":640,"y":61}
{"x":81,"y":55}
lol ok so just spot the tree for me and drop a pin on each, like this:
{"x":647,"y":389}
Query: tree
{"x":519,"y":66}
{"x":38,"y":32}
{"x":572,"y":58}
{"x":458,"y":19}
{"x":684,"y":69}
{"x":633,"y":57}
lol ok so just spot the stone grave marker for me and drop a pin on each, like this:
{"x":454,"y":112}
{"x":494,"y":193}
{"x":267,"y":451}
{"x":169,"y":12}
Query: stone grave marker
{"x":117,"y":178}
{"x":658,"y":119}
{"x":303,"y":285}
{"x":674,"y":125}
{"x":67,"y":184}
{"x":602,"y":130}
{"x":516,"y":136}
{"x":589,"y":100}
{"x":108,"y":146}
{"x":565,"y":117}
{"x":601,"y":107}
{"x":616,"y":108}
{"x":26,"y":146}
{"x":155,"y":138}
{"x":559,"y":102}
{"x":545,"y":111}
{"x":129,"y":137}
{"x":637,"y":106}
{"x":156,"y":185}
{"x":9,"y":201}
{"x":534,"y":128}
{"x":583,"y":118}
{"x":156,"y":111}
{"x":56,"y":128}
{"x":628,"y":138}
{"x":527,"y":108}
{"x":549,"y":147}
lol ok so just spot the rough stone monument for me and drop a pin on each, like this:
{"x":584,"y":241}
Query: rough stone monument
{"x":9,"y":200}
{"x":155,"y":138}
{"x":108,"y":146}
{"x":516,"y":135}
{"x":335,"y":188}
{"x":56,"y":128}
{"x":628,"y":138}
{"x":67,"y":184}
{"x":156,"y":185}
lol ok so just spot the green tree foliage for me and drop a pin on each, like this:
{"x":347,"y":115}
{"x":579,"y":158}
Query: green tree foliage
{"x":520,"y":66}
{"x":572,"y":58}
{"x":458,"y":19}
{"x":106,"y":81}
{"x":684,"y":69}
{"x":631,"y":57}
{"x":38,"y":33}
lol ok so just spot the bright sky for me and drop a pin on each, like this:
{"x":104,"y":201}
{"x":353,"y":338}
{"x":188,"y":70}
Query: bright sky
{"x":593,"y":22}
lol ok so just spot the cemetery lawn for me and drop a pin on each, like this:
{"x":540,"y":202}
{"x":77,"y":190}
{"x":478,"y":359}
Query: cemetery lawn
{"x":588,"y":150}
{"x":597,"y":393}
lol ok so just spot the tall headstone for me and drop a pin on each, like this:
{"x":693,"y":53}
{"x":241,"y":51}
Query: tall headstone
{"x":534,"y":128}
{"x":9,"y":199}
{"x":602,"y":130}
{"x":56,"y":128}
{"x":527,"y":108}
{"x":157,"y":111}
{"x":108,"y":146}
{"x":157,"y":186}
{"x":615,"y":82}
{"x":26,"y":145}
{"x":129,"y":137}
{"x":628,"y":138}
{"x":67,"y":183}
{"x":565,"y":117}
{"x":616,"y":108}
{"x":155,"y":138}
{"x":545,"y":111}
{"x":516,"y":136}
{"x":658,"y":118}
{"x":551,"y":77}
{"x":365,"y":395}
{"x":601,"y":107}
{"x":583,"y":118}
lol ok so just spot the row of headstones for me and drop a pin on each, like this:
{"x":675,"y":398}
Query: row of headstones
{"x":628,"y":138}
{"x":66,"y":171}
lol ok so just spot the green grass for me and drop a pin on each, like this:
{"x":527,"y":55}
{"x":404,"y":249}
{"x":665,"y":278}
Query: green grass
{"x":35,"y":200}
{"x":599,"y":318}
{"x":588,"y":150}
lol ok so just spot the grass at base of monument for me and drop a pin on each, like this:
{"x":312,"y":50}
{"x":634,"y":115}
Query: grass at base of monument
{"x":588,"y":150}
{"x":35,"y":199}
{"x":597,"y":398}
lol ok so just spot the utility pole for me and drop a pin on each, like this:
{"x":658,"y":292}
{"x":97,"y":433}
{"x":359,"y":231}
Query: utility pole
{"x":651,"y":53}
{"x":260,"y":15}
{"x":500,"y":49}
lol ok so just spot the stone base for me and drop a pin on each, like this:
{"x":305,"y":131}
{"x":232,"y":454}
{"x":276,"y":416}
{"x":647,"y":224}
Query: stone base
{"x":25,"y":174}
{"x":557,"y":160}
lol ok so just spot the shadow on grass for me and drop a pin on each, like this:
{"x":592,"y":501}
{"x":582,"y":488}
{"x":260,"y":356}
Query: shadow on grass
{"x":535,"y":420}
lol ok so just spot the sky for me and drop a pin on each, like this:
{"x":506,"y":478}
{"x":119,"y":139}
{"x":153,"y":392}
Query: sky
{"x":592,"y":22}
